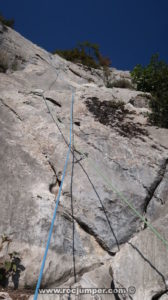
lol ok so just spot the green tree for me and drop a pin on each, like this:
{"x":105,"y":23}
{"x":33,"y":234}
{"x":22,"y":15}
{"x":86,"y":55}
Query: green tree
{"x":153,"y":78}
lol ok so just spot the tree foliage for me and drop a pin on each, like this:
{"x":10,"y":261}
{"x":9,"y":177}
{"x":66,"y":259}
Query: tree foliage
{"x":154,"y":79}
{"x":87,"y":54}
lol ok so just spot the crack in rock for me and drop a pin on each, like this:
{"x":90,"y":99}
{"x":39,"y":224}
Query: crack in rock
{"x":68,"y":274}
{"x":54,"y":186}
{"x":91,"y":232}
{"x":77,"y":123}
{"x":39,"y":56}
{"x":155,"y":184}
{"x":74,"y":72}
{"x":159,"y":295}
{"x":12,"y":110}
{"x":146,"y":260}
{"x":54,"y":102}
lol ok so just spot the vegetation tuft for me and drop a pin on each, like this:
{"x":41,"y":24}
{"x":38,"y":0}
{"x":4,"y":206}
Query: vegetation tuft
{"x":120,"y":83}
{"x":7,"y":22}
{"x":113,"y":114}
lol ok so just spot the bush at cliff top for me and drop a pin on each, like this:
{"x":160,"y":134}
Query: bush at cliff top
{"x":87,"y":54}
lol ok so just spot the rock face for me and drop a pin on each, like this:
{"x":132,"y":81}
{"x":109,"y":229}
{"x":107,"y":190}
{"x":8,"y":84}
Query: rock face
{"x":5,"y":296}
{"x":142,"y":259}
{"x":96,"y":240}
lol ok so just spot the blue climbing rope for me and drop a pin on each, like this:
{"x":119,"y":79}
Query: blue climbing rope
{"x":56,"y":206}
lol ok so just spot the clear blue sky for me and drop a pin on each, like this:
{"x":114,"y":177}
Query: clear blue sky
{"x":128,"y":31}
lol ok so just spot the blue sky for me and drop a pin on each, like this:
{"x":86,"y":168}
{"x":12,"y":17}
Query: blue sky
{"x":128,"y":31}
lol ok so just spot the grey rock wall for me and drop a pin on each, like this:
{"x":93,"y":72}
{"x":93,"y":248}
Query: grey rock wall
{"x":101,"y":232}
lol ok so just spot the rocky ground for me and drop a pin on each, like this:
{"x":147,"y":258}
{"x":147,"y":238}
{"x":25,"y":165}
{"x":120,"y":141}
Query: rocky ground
{"x":98,"y":242}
